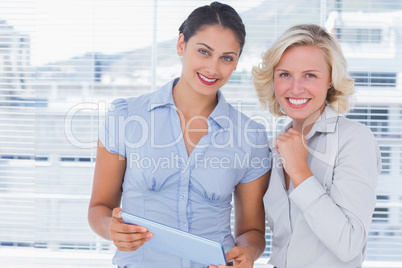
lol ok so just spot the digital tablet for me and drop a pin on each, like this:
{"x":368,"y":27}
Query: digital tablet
{"x":179,"y":243}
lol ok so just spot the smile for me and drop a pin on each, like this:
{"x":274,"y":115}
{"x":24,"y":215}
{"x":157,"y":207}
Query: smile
{"x":298,"y":101}
{"x":206,"y":80}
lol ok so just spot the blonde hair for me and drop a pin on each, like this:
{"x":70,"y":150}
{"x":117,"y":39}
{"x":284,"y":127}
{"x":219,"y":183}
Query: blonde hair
{"x":304,"y":35}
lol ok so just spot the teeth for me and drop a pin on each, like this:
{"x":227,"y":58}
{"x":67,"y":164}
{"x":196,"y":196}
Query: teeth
{"x":298,"y":101}
{"x":207,"y":79}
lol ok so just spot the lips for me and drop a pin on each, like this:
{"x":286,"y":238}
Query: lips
{"x":206,"y":81}
{"x":297,"y":103}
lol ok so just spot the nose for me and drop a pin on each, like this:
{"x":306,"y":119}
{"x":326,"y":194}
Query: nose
{"x":297,"y":86}
{"x":212,"y":67}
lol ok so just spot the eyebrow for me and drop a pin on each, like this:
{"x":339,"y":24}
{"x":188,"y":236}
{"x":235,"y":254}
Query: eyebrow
{"x":210,"y":48}
{"x":310,"y":71}
{"x":306,"y":71}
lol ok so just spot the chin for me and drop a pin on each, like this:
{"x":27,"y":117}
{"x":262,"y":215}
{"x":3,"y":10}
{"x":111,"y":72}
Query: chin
{"x":297,"y":116}
{"x":208,"y":92}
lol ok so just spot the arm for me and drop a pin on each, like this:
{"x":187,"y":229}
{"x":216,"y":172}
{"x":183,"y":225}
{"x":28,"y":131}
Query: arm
{"x":249,"y":222}
{"x":250,"y":216}
{"x":104,"y":212}
{"x":341,"y":219}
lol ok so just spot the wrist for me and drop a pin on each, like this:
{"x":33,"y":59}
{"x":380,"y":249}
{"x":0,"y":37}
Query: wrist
{"x":253,"y":242}
{"x":299,"y":177}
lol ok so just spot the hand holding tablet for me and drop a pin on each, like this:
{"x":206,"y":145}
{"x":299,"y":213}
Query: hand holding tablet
{"x":179,"y":243}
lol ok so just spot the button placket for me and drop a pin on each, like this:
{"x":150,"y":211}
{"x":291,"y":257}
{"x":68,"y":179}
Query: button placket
{"x":184,"y":188}
{"x":183,"y":200}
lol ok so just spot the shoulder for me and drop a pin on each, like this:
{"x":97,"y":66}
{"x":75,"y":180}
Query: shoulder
{"x":357,"y":145}
{"x":248,"y":127}
{"x":131,"y":105}
{"x":350,"y":129}
{"x":356,"y":139}
{"x":241,"y":120}
{"x":118,"y":107}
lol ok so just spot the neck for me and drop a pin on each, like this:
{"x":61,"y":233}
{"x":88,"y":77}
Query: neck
{"x":304,"y":126}
{"x":191,"y":104}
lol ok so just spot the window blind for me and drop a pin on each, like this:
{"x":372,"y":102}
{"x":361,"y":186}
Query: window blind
{"x":63,"y":62}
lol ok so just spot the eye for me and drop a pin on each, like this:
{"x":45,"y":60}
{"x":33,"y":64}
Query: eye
{"x":203,"y":51}
{"x":227,"y":58}
{"x":311,"y":76}
{"x":284,"y":74}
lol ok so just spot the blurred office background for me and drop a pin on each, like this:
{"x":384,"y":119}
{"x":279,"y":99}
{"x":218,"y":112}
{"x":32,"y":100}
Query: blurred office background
{"x":63,"y":61}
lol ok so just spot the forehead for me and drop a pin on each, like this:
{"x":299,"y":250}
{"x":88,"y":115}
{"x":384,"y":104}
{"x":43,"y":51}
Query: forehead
{"x":217,"y":37}
{"x":305,"y":57}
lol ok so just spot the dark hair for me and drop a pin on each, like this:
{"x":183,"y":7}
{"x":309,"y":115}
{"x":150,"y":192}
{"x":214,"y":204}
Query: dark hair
{"x":215,"y":13}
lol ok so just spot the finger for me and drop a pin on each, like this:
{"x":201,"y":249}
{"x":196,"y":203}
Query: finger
{"x":293,"y":131}
{"x":134,"y":237}
{"x":232,"y":254}
{"x":127,"y":228}
{"x":286,"y":135}
{"x":130,"y":241}
{"x":132,"y":229}
{"x":289,"y":135}
{"x":116,"y":213}
{"x":129,"y":245}
{"x":118,"y":227}
{"x":124,"y":234}
{"x":274,"y":144}
{"x":281,"y":137}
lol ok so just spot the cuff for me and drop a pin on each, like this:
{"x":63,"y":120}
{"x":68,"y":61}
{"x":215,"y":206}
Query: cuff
{"x":307,"y":193}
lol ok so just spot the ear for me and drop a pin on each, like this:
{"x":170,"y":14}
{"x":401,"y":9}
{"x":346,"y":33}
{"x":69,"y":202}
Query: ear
{"x":180,"y":45}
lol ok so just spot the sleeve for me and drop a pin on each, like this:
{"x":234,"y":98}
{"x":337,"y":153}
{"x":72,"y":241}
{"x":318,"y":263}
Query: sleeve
{"x":341,"y":218}
{"x":259,"y":161}
{"x":112,"y":132}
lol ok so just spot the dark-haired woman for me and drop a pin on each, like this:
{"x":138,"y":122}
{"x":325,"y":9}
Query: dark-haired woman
{"x":178,"y":154}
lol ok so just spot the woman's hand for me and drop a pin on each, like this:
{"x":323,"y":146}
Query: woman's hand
{"x":292,"y":147}
{"x":241,"y":257}
{"x":127,"y":237}
{"x":249,"y":223}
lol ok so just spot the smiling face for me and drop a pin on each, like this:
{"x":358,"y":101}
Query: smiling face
{"x":301,"y":81}
{"x":209,"y":58}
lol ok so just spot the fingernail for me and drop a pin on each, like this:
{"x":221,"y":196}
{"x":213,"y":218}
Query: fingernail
{"x":150,"y":235}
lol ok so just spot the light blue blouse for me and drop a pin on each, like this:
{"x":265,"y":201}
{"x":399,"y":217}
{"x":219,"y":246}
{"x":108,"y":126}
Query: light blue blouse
{"x":164,"y":184}
{"x":324,"y":222}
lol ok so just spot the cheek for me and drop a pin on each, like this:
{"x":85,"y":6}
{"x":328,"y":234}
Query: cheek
{"x":278,"y":88}
{"x":227,"y":71}
{"x":186,"y":62}
{"x":322,"y":90}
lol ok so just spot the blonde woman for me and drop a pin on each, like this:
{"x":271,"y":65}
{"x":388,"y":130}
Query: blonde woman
{"x":321,"y":193}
